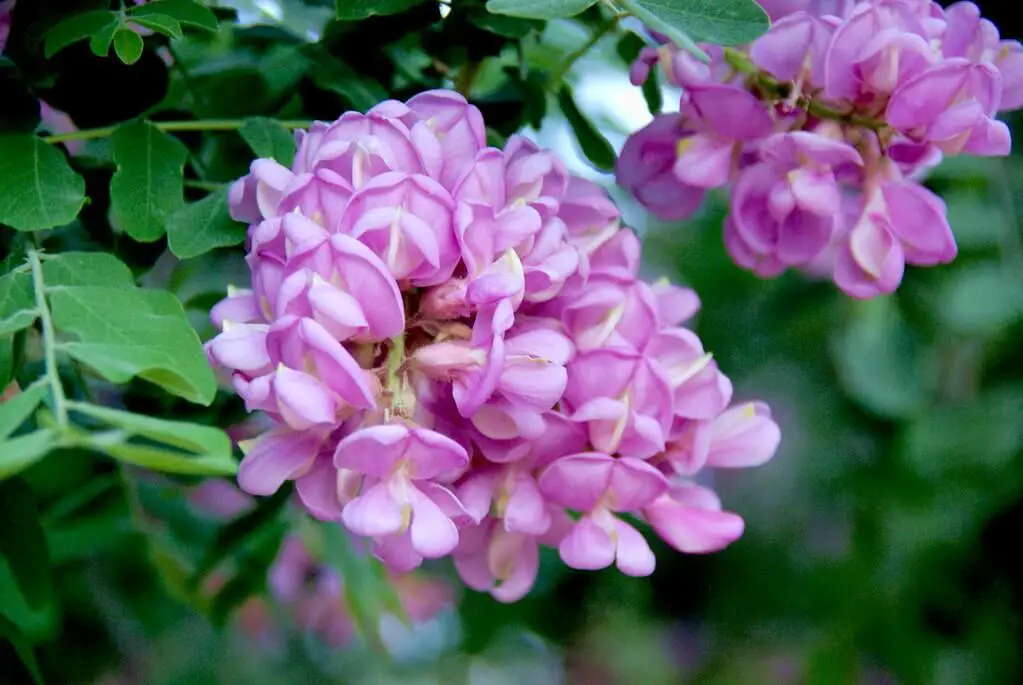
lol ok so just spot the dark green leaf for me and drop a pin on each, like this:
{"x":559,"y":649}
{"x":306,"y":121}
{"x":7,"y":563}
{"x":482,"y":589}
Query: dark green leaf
{"x":185,"y":12}
{"x":17,"y":454}
{"x":251,"y":577}
{"x":78,"y":27}
{"x":879,"y":360}
{"x":148,"y":184}
{"x":125,"y":332}
{"x":593,"y":144}
{"x":330,"y":73}
{"x":539,"y":9}
{"x":101,"y":40}
{"x":722,"y":22}
{"x":128,"y":45}
{"x":22,"y":647}
{"x":652,"y":93}
{"x":268,"y":138}
{"x":236,"y":534}
{"x":199,"y":227}
{"x":161,"y":23}
{"x":18,"y":408}
{"x":86,"y":268}
{"x":17,"y":302}
{"x":171,"y":447}
{"x":37,"y":187}
{"x":354,"y":10}
{"x":23,"y":544}
{"x":504,"y":25}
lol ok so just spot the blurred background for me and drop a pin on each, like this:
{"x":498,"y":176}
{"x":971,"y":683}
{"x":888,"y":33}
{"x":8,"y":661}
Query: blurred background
{"x":879,"y":546}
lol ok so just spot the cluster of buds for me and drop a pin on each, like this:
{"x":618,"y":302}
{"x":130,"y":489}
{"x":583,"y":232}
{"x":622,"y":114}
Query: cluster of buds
{"x":823,"y":129}
{"x":461,"y":359}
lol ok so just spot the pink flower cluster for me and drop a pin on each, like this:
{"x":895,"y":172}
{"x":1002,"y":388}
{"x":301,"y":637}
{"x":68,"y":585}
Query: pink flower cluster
{"x":823,"y":129}
{"x":462,"y":360}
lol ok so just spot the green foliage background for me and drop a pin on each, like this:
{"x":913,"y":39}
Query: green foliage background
{"x":881,"y":543}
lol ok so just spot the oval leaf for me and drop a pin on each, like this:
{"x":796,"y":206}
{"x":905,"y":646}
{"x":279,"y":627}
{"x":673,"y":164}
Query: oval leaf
{"x":540,"y":9}
{"x":148,"y":185}
{"x":722,"y":22}
{"x":184,"y":12}
{"x":269,"y":139}
{"x":128,"y":45}
{"x":86,"y":268}
{"x":201,"y":226}
{"x":594,"y":145}
{"x":161,"y":23}
{"x":37,"y":187}
{"x":79,"y":27}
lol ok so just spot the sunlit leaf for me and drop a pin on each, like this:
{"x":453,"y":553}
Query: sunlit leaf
{"x":199,"y":227}
{"x":128,"y":45}
{"x":722,"y":22}
{"x":17,"y":302}
{"x":267,"y":138}
{"x":15,"y":410}
{"x":17,"y":454}
{"x":86,"y":268}
{"x":37,"y":187}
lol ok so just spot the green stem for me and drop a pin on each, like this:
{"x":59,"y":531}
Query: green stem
{"x":741,"y":62}
{"x":49,"y":341}
{"x":602,"y":30}
{"x":196,"y":125}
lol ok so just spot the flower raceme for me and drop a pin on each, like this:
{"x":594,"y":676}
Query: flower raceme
{"x":461,"y":361}
{"x":823,"y":128}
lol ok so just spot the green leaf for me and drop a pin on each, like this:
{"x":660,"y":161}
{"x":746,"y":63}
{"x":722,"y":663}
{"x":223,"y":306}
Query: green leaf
{"x":330,"y":73}
{"x":251,"y":578}
{"x":17,"y":303}
{"x":128,"y":45}
{"x":86,"y":268}
{"x":504,"y":25}
{"x":22,"y":648}
{"x":722,"y":22}
{"x":161,"y":23}
{"x":268,"y":138}
{"x":354,"y":10}
{"x":15,"y":410}
{"x":101,"y":40}
{"x":37,"y":187}
{"x":185,"y":12}
{"x":652,"y":93}
{"x":594,"y":145}
{"x":539,"y":9}
{"x":234,"y":536}
{"x":17,"y":454}
{"x":656,"y":23}
{"x":23,"y":544}
{"x":981,"y":298}
{"x":170,"y":446}
{"x":148,"y":185}
{"x":76,"y":28}
{"x":199,"y":227}
{"x":879,"y":361}
{"x":125,"y":332}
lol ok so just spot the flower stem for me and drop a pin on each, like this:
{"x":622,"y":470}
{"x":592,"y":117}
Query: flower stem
{"x":196,"y":125}
{"x":49,"y":341}
{"x":741,"y":62}
{"x":395,"y":372}
{"x":602,"y":30}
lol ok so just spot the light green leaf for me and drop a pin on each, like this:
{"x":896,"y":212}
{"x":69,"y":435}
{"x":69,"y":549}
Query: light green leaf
{"x":199,"y":227}
{"x":354,"y":10}
{"x":185,"y":12}
{"x":17,"y":454}
{"x":37,"y":187}
{"x":78,"y":27}
{"x":101,"y":40}
{"x":880,"y":362}
{"x":539,"y":9}
{"x":594,"y":145}
{"x":169,"y":446}
{"x":23,"y":544}
{"x":722,"y":22}
{"x":124,"y":333}
{"x":17,"y":303}
{"x":161,"y":23}
{"x":128,"y":45}
{"x":981,"y":298}
{"x":267,"y":138}
{"x":22,"y":648}
{"x":148,"y":184}
{"x":86,"y":268}
{"x":15,"y":410}
{"x":656,"y":23}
